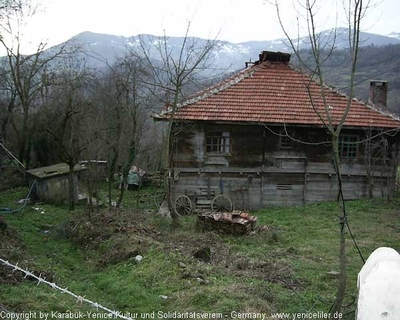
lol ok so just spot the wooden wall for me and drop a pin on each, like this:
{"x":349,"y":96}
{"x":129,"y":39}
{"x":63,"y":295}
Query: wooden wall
{"x":257,"y":172}
{"x":54,"y":189}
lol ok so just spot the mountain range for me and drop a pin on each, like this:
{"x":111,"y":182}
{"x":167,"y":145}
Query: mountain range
{"x":379,"y":56}
{"x":226,"y":55}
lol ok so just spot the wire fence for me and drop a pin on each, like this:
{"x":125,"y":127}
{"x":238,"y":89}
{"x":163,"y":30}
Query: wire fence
{"x":79,"y":299}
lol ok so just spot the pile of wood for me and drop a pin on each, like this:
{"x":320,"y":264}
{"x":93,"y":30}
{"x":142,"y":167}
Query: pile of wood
{"x":236,"y":222}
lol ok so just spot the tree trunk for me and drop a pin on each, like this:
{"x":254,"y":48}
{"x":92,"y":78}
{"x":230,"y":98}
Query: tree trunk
{"x":71,"y":187}
{"x":25,"y":137}
{"x":369,"y":171}
{"x":124,"y":185}
{"x":131,"y":159}
{"x":111,"y":172}
{"x":28,"y":151}
{"x":7,"y":118}
{"x":341,"y":290}
{"x":169,"y":175}
{"x":90,"y":189}
{"x":110,"y":182}
{"x":168,"y":193}
{"x":342,"y":267}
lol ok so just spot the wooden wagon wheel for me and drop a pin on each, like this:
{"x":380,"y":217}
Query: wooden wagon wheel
{"x":183,"y":205}
{"x":221,"y":203}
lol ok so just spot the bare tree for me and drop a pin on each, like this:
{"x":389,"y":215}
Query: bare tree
{"x":132,"y":75}
{"x":26,"y":73}
{"x":120,"y":97}
{"x":70,"y":112}
{"x":379,"y":158}
{"x":112,"y":114}
{"x":172,"y":70}
{"x":7,"y":103}
{"x":10,"y":7}
{"x":355,"y":10}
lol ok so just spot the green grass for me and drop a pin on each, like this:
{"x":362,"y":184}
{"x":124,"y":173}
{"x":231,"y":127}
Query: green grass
{"x":146,"y":198}
{"x":281,"y":270}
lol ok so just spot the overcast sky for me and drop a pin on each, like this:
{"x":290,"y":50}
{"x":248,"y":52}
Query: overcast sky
{"x":232,"y":20}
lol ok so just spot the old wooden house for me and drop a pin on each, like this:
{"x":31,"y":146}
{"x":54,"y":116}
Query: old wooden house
{"x":257,"y":139}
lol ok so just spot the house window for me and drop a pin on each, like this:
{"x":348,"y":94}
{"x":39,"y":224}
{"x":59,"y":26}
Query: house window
{"x":218,"y":142}
{"x":286,"y":142}
{"x":285,"y":139}
{"x":348,"y":146}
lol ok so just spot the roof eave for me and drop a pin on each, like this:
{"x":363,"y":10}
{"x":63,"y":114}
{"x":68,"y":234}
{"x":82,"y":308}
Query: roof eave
{"x":277,"y":124}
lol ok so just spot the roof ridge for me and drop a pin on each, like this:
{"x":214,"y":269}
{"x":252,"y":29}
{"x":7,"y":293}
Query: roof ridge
{"x":381,"y":111}
{"x":333,"y":89}
{"x":222,"y":85}
{"x":326,"y":85}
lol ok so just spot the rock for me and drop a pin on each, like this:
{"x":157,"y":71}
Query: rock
{"x":186,"y":275}
{"x":138,"y":258}
{"x":23,"y":201}
{"x":333,"y":274}
{"x":204,"y":282}
{"x":164,"y":211}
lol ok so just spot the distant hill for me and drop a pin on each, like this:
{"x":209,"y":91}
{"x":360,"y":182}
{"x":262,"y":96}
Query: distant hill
{"x":226,"y":55}
{"x":395,"y":35}
{"x":379,"y":56}
{"x":374,"y":63}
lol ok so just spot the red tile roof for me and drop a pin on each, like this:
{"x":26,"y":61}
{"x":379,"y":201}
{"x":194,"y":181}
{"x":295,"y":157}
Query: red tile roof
{"x":274,"y":92}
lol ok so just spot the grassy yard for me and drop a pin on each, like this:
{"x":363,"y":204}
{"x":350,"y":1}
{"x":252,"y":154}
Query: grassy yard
{"x":283,"y":269}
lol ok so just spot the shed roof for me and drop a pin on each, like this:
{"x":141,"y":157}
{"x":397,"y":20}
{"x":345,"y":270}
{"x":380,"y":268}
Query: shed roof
{"x":273,"y":92}
{"x":53,"y":170}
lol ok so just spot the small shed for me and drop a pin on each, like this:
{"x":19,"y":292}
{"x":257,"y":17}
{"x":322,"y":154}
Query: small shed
{"x":52,"y":182}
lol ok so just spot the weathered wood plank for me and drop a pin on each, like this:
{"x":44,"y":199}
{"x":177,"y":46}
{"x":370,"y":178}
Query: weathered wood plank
{"x":258,"y":172}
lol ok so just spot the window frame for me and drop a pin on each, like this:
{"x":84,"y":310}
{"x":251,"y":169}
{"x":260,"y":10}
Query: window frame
{"x":285,"y":142}
{"x":348,"y":149}
{"x":286,"y":139}
{"x":217,"y":142}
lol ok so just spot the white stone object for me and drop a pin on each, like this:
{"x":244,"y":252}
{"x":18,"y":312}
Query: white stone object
{"x":379,"y":286}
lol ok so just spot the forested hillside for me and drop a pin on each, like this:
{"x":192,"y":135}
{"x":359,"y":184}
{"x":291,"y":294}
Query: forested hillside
{"x":374,"y":63}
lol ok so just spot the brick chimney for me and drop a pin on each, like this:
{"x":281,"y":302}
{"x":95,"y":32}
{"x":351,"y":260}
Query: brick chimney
{"x":273,"y":57}
{"x":378,"y":90}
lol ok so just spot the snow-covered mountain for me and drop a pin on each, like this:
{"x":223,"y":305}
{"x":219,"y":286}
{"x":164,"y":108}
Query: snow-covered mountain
{"x":395,"y":35}
{"x":226,"y":55}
